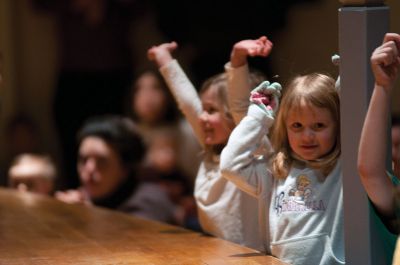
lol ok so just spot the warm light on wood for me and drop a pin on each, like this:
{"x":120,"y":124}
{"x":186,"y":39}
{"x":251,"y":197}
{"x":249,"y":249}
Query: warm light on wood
{"x":41,"y":230}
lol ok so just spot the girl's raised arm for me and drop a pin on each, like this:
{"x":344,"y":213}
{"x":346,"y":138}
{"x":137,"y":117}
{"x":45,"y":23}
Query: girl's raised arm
{"x":238,"y":156}
{"x":372,"y":153}
{"x":239,"y":81}
{"x":182,"y":89}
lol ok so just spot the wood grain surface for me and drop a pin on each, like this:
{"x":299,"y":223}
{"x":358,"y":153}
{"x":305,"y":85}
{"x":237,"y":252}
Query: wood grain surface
{"x":36,"y":229}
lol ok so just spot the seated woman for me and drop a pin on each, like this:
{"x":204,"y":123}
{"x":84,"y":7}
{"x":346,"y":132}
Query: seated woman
{"x":109,"y":161}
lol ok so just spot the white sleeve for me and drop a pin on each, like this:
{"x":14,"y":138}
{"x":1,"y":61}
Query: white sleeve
{"x":239,"y":90}
{"x":238,"y":99}
{"x":185,"y":95}
{"x":239,"y":161}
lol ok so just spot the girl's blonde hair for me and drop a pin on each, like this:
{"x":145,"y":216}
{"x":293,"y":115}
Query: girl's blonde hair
{"x":319,"y":91}
{"x":220,"y":83}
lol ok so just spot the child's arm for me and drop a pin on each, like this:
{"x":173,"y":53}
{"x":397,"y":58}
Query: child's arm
{"x":238,"y":73}
{"x":238,"y":161}
{"x":385,"y":63}
{"x":180,"y":86}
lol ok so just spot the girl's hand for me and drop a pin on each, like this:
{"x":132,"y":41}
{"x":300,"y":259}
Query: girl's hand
{"x":161,"y":54}
{"x":385,"y":60}
{"x":259,"y":47}
{"x":266,"y":96}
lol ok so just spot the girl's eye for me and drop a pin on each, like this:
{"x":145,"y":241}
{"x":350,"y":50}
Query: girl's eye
{"x":319,"y":125}
{"x":296,"y":125}
{"x":210,"y":110}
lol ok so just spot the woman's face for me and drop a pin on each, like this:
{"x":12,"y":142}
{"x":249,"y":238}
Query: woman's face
{"x":100,"y":167}
{"x":149,"y":100}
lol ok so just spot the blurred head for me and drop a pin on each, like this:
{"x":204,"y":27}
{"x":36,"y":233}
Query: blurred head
{"x":162,"y":152}
{"x":216,"y":120}
{"x":22,"y":135}
{"x":152,"y":102}
{"x":110,"y":150}
{"x":32,"y":172}
{"x":307,"y":126}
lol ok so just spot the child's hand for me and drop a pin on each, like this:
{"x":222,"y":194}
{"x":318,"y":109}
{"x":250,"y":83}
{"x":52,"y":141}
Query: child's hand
{"x":385,"y":60}
{"x":266,"y":96}
{"x":161,"y":54}
{"x":72,"y":197}
{"x":259,"y":47}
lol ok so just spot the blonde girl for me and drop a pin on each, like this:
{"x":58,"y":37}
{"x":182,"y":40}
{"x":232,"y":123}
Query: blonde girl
{"x":305,"y":137}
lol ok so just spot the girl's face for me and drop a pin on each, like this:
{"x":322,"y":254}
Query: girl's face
{"x":311,"y":131}
{"x":213,"y":121}
{"x":162,"y":153}
{"x":100,"y":168}
{"x":149,"y":100}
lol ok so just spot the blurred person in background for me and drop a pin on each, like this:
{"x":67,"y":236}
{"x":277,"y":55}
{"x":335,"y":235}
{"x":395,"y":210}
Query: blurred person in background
{"x":153,"y":108}
{"x":110,"y":158}
{"x":21,"y":135}
{"x":34,"y":173}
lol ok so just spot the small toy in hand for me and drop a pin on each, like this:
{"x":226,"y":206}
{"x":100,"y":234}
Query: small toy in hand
{"x":266,"y":96}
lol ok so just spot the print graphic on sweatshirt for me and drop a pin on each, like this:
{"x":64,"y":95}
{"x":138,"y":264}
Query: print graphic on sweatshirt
{"x":298,"y":197}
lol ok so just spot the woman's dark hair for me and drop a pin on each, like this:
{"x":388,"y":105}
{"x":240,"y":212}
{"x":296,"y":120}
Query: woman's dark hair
{"x":120,"y":133}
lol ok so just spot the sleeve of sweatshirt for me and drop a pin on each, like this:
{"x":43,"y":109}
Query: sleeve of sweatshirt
{"x":185,"y":95}
{"x":239,"y":94}
{"x":239,"y":90}
{"x":239,"y":162}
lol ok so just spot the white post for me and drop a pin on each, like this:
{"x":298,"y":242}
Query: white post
{"x":361,"y":30}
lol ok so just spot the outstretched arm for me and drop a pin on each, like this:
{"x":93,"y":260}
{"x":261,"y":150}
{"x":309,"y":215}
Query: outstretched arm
{"x":239,"y":163}
{"x":385,"y":62}
{"x":182,"y":89}
{"x":239,"y":80}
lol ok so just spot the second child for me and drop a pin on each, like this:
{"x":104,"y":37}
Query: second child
{"x":224,"y":211}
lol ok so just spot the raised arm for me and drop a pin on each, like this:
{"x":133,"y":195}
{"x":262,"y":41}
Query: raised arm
{"x":239,"y":81}
{"x":239,"y":163}
{"x":372,"y":152}
{"x":179,"y":84}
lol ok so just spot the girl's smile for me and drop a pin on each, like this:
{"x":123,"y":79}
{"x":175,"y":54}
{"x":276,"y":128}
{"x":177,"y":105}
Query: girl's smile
{"x":311,"y":131}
